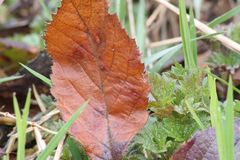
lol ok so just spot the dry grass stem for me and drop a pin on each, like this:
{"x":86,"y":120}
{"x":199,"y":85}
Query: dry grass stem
{"x":38,"y":99}
{"x":28,"y":122}
{"x":40,"y":142}
{"x":165,"y":42}
{"x":204,"y":28}
{"x":58,"y":152}
{"x":131,"y":18}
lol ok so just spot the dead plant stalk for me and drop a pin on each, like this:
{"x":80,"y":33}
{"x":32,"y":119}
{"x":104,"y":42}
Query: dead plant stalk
{"x":204,"y":28}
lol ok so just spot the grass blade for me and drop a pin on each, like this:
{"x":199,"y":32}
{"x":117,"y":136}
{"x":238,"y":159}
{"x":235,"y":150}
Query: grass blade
{"x":27,"y":106}
{"x":193,"y":35}
{"x":229,"y":122}
{"x":16,"y":109}
{"x":6,"y":79}
{"x":20,"y":130}
{"x":21,"y":123}
{"x":226,"y":83}
{"x":121,"y":10}
{"x":47,"y":12}
{"x":185,"y":34}
{"x":25,"y":116}
{"x":172,"y":52}
{"x":224,"y":17}
{"x":61,"y":133}
{"x":38,"y":75}
{"x":166,"y":54}
{"x":162,"y":53}
{"x":216,"y":117}
{"x":141,"y":26}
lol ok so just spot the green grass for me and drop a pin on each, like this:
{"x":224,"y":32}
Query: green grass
{"x":187,"y":34}
{"x":121,"y":10}
{"x":6,"y":79}
{"x":229,"y":122}
{"x":140,"y":26}
{"x":193,"y":35}
{"x":222,"y":120}
{"x":21,"y":123}
{"x":226,"y":83}
{"x":226,"y":16}
{"x":164,"y":56}
{"x":46,"y":11}
{"x":38,"y":75}
{"x":61,"y":133}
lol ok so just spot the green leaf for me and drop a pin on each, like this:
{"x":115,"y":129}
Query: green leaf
{"x":161,"y":138}
{"x":153,"y":137}
{"x":74,"y":149}
{"x":163,"y":88}
{"x":61,"y":133}
{"x":195,"y":116}
{"x":181,"y":127}
{"x":38,"y":75}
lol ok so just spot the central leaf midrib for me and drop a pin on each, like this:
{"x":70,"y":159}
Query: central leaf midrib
{"x":93,"y":44}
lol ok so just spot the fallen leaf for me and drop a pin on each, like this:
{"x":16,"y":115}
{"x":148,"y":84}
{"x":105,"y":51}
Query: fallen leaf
{"x":203,"y":145}
{"x":93,"y":58}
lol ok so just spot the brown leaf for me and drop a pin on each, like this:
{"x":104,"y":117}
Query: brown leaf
{"x":94,"y":58}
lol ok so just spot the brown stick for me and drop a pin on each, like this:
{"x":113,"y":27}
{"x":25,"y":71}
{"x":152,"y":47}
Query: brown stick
{"x":204,"y":28}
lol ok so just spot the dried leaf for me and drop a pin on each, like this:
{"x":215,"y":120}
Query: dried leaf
{"x":93,"y":57}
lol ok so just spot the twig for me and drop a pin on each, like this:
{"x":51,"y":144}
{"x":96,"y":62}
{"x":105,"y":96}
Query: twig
{"x":49,"y":115}
{"x":28,"y":122}
{"x":164,"y":42}
{"x":204,"y":28}
{"x":59,"y":149}
{"x":10,"y":144}
{"x":40,"y":142}
{"x":131,"y":18}
{"x":154,"y":15}
{"x":38,"y":99}
{"x":13,"y":137}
